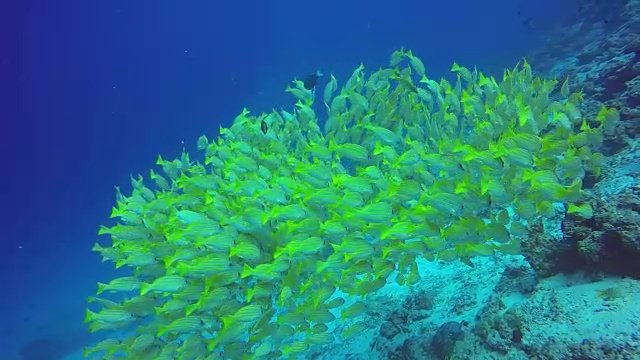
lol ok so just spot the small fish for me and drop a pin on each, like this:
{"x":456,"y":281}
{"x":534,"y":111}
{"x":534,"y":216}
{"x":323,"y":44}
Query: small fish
{"x":181,"y":325}
{"x":583,"y":210}
{"x":296,"y":347}
{"x":310,"y":81}
{"x":263,"y":125}
{"x":228,"y":335}
{"x":249,"y":313}
{"x":262,"y":350}
{"x":108,"y":316}
{"x":245,"y":250}
{"x":321,"y":338}
{"x":336,"y":302}
{"x":168,"y":283}
{"x":354,"y":329}
{"x":529,"y":24}
{"x":321,"y":316}
{"x":141,"y":342}
{"x":109,"y":346}
{"x":358,"y":308}
{"x":122,"y":284}
{"x":527,"y":21}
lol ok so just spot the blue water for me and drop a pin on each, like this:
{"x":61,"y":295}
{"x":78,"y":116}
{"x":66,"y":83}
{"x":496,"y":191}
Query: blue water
{"x":93,"y":91}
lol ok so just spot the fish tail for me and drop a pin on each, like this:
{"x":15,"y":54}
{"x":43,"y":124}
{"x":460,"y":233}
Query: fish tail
{"x":246,"y":271}
{"x":145,"y":288}
{"x":162,"y":330}
{"x":191,"y":308}
{"x":89,"y":316}
{"x":101,"y":288}
{"x":167,"y":262}
{"x":227,"y":321}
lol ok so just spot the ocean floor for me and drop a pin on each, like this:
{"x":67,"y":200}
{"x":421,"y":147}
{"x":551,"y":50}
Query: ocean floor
{"x":503,"y":310}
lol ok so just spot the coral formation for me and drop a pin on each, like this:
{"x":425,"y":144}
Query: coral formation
{"x":610,"y":241}
{"x":547,"y":254}
{"x":445,"y":339}
{"x":600,"y":54}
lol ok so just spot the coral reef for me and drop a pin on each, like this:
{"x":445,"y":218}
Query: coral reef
{"x":600,"y":54}
{"x":560,"y":320}
{"x":513,"y":317}
{"x":610,"y":241}
{"x":445,"y":339}
{"x":547,"y":254}
{"x":440,"y":346}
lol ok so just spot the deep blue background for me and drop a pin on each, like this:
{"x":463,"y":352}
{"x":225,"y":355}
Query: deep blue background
{"x":92,"y":91}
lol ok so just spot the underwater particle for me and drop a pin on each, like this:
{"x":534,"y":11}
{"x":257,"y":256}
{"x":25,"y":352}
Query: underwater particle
{"x":41,"y":349}
{"x":311,"y":80}
{"x":529,"y":23}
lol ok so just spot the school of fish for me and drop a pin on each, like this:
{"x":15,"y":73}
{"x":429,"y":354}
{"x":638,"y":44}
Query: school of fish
{"x":269,"y":246}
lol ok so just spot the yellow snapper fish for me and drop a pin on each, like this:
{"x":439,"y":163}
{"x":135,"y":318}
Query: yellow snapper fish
{"x":290,"y":222}
{"x":168,"y":283}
